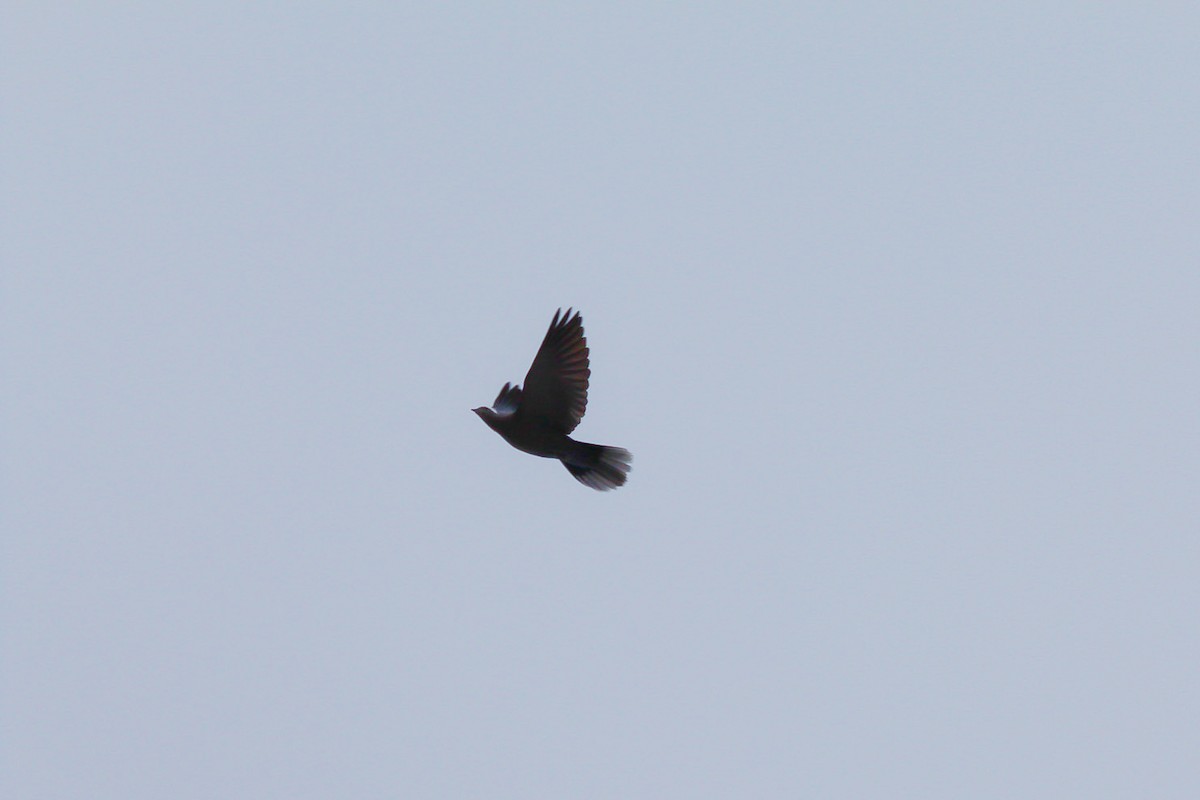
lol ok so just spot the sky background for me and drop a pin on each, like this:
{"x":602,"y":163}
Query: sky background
{"x":895,"y":305}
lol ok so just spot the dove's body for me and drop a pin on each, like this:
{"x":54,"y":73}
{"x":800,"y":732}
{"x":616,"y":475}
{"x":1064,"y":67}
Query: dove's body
{"x":538,"y":418}
{"x":528,"y":436}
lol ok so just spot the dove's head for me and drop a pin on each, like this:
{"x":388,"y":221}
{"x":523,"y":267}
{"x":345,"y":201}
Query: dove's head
{"x":489,"y":416}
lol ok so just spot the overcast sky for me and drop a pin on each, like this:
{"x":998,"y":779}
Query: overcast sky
{"x":894,"y":304}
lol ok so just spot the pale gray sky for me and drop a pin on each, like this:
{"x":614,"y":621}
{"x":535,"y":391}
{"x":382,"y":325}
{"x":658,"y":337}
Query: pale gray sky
{"x":895,"y":305}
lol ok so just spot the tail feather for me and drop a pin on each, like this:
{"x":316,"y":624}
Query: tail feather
{"x":599,"y":466}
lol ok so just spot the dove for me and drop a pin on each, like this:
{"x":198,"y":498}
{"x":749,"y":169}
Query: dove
{"x":538,"y":418}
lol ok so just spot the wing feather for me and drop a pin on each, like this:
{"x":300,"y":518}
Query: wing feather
{"x":556,"y":386}
{"x":508,"y":400}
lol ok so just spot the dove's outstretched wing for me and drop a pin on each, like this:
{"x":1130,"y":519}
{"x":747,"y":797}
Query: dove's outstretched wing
{"x":509,"y":399}
{"x":556,"y":385}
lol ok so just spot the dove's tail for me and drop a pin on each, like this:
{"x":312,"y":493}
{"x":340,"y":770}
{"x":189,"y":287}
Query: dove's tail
{"x":598,"y":466}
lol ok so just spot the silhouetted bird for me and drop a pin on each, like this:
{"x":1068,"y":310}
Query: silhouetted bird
{"x":538,"y":418}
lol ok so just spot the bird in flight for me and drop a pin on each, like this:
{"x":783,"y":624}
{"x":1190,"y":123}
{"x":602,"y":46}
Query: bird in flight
{"x":538,"y":418}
